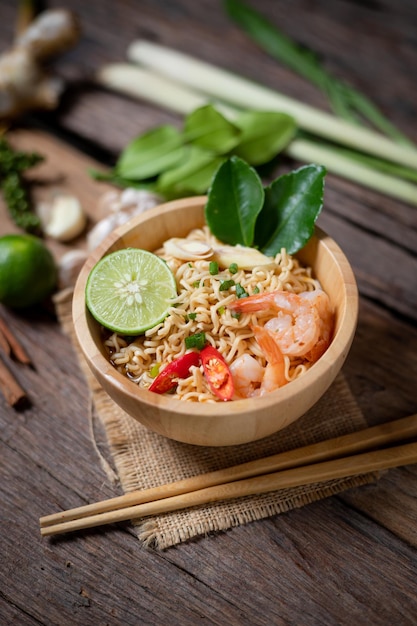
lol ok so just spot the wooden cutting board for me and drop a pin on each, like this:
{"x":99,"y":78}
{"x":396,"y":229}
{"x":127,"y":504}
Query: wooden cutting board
{"x":64,"y":169}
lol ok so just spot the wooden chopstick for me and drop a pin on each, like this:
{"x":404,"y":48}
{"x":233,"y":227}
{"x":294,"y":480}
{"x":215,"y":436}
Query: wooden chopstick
{"x":288,"y":469}
{"x":295,"y":477}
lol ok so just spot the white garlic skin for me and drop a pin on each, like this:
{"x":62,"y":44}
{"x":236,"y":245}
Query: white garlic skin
{"x":69,"y":267}
{"x":118,"y":207}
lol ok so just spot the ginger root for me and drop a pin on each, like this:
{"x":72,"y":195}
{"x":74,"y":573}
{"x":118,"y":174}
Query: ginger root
{"x":24,"y":82}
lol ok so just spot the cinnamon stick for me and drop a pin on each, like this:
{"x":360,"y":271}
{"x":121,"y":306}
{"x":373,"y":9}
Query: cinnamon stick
{"x":4,"y":345}
{"x":10,"y":388}
{"x":11,"y":346}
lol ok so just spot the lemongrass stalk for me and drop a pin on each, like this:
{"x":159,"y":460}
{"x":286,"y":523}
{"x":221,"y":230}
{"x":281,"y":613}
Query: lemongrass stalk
{"x":140,"y":83}
{"x":243,"y":93}
{"x":305,"y":150}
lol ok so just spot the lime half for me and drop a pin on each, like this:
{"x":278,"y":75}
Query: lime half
{"x":130,"y":290}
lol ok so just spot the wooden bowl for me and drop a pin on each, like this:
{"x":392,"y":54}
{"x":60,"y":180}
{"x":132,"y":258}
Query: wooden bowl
{"x":221,"y":423}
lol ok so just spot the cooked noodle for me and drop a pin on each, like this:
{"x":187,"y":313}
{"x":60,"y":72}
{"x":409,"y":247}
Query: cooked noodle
{"x":201,"y":306}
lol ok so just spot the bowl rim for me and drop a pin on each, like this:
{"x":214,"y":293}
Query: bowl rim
{"x":99,"y":364}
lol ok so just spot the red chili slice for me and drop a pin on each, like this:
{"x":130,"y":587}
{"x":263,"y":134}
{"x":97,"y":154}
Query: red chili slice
{"x":180,"y":368}
{"x":217,"y":373}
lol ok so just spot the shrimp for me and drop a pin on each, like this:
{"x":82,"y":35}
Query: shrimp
{"x":249,"y":377}
{"x":321,"y":301}
{"x":296,"y":326}
{"x":274,"y":374}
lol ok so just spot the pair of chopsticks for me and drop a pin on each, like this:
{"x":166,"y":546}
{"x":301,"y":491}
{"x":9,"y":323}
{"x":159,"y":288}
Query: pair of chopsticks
{"x":341,"y":457}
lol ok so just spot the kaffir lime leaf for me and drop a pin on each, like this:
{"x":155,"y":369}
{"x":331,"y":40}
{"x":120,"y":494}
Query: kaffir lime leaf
{"x":130,"y":291}
{"x":28,"y":273}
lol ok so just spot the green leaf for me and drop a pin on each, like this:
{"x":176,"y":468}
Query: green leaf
{"x":192,"y":176}
{"x":292,"y":204}
{"x":151,"y":153}
{"x":235,"y":199}
{"x":209,"y":129}
{"x":264,"y":135}
{"x":113,"y":178}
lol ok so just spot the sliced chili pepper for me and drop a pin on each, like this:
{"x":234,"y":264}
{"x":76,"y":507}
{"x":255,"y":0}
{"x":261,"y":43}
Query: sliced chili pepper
{"x":217,"y":373}
{"x":180,"y":368}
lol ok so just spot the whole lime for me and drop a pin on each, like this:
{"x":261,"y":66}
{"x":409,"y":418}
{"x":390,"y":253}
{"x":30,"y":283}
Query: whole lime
{"x":28,"y":273}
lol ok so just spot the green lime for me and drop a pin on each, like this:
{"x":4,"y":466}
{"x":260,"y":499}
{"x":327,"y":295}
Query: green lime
{"x":130,"y":290}
{"x":28,"y":273}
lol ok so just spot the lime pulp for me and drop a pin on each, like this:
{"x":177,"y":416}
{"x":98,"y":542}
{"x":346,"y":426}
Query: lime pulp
{"x":130,"y":291}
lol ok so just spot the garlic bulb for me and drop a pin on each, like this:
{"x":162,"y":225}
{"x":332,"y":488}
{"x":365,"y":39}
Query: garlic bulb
{"x":118,"y":207}
{"x":104,"y":227}
{"x":132,"y":200}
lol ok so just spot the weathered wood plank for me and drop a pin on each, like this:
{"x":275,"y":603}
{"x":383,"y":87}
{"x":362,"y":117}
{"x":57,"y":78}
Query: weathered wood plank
{"x":349,"y":559}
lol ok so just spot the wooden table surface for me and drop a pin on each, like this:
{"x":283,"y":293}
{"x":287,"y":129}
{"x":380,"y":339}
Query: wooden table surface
{"x":350,"y":559}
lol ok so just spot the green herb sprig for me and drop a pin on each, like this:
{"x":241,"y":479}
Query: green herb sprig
{"x":13,"y":164}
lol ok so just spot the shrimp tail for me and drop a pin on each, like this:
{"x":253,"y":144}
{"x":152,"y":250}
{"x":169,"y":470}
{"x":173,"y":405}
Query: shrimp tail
{"x":268,"y":345}
{"x":274,"y":375}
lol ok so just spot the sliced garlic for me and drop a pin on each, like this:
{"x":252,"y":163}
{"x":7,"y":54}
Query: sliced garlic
{"x":63,"y":218}
{"x":245,"y":258}
{"x":187,"y":249}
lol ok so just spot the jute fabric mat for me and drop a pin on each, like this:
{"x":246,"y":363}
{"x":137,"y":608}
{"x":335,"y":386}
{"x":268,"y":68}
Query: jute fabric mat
{"x":145,"y":459}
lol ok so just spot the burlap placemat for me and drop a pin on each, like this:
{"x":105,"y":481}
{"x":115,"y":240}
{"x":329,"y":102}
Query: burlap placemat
{"x":145,"y":459}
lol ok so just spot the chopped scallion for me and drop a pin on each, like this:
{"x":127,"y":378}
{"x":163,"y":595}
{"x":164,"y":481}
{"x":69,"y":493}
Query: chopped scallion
{"x":241,"y":291}
{"x":154,"y":371}
{"x":213,"y":268}
{"x":196,"y":341}
{"x":227,"y":284}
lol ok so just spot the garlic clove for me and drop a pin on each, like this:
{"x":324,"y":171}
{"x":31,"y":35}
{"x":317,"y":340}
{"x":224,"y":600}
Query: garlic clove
{"x":245,"y":258}
{"x":187,"y":249}
{"x":69,"y":267}
{"x":63,"y":218}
